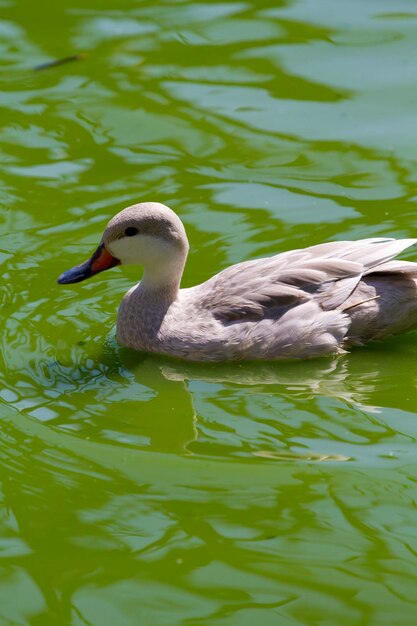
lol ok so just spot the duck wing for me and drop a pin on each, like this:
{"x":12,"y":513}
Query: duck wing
{"x":327,"y":273}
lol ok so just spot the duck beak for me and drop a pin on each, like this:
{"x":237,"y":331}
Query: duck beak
{"x":100,"y":261}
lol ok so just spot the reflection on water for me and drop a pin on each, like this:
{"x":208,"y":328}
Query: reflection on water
{"x":337,"y":408}
{"x":139,"y":488}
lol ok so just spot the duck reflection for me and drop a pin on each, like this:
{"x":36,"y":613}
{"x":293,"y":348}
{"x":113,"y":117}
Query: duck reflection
{"x":120,"y":397}
{"x":365,"y":378}
{"x":269,"y":407}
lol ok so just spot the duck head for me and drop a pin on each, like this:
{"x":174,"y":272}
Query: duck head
{"x":148,"y":234}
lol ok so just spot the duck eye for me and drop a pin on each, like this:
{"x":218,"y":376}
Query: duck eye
{"x":131,"y":231}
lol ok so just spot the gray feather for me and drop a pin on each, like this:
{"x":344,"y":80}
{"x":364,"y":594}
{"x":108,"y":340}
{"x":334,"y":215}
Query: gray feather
{"x":328,"y":272}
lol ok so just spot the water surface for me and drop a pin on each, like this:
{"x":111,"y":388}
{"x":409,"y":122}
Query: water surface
{"x":136,"y":489}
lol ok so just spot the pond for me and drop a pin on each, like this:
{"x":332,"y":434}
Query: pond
{"x":141,"y":490}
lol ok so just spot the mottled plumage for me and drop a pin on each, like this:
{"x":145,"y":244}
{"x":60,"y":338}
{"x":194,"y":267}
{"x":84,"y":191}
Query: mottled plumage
{"x":298,"y":304}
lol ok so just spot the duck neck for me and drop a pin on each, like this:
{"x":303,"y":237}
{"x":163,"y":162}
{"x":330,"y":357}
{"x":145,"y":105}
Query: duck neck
{"x":162,"y":282}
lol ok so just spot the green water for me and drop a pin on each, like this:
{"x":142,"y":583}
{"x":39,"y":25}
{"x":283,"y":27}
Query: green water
{"x":139,"y":490}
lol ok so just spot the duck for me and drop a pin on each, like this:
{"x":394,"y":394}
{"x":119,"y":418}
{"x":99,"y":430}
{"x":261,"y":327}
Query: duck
{"x":303,"y":303}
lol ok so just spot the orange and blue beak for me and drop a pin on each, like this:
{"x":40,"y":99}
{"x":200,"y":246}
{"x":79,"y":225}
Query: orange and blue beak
{"x":101,"y":260}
